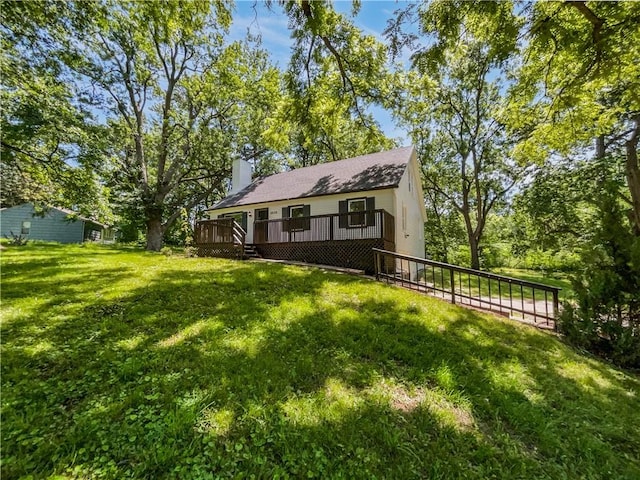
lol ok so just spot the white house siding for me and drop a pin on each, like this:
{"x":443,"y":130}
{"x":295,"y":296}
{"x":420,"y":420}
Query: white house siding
{"x":323,"y":205}
{"x":410,"y":236}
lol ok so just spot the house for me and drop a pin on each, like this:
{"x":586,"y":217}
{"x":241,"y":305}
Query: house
{"x":332,"y":213}
{"x":54,"y":224}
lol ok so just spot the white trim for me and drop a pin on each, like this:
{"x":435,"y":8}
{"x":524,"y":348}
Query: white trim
{"x":349,"y":217}
{"x":297,"y":207}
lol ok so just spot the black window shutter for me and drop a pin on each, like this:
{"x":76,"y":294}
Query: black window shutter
{"x":244,"y":221}
{"x":285,"y":215}
{"x":371,"y":215}
{"x":343,"y":209}
{"x":306,"y":212}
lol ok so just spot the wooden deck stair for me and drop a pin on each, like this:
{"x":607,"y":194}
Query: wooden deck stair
{"x":250,"y":251}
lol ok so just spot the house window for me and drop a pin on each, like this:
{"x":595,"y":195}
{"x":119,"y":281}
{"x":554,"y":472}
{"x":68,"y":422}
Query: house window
{"x":356,"y":208}
{"x":262,"y":214}
{"x":297,"y":212}
{"x":26,"y":227}
{"x":357,"y":212}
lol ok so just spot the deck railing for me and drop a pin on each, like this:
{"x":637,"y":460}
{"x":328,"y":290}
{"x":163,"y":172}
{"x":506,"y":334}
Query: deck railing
{"x":221,"y":237}
{"x":519,"y":299}
{"x":371,"y":224}
{"x":220,"y":230}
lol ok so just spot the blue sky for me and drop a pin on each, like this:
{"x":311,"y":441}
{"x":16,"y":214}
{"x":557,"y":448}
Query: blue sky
{"x":272,"y":26}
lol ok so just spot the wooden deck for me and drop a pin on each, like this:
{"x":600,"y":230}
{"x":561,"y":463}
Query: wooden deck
{"x":343,"y":240}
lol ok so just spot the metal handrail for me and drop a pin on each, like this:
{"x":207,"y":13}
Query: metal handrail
{"x":458,"y":268}
{"x":463,"y":290}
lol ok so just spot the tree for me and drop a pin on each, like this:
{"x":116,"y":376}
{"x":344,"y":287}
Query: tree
{"x":49,"y":154}
{"x":579,"y":82}
{"x":557,"y":210}
{"x":577,"y":79}
{"x":444,"y":232}
{"x":452,"y":110}
{"x":336,"y":72}
{"x":176,"y":96}
{"x":605,"y":317}
{"x":141,"y":57}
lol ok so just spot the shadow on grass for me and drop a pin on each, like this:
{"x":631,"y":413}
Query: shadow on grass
{"x":223,"y":368}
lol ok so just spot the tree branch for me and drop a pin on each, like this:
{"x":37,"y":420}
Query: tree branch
{"x":347,"y":84}
{"x":174,"y":216}
{"x":595,"y":21}
{"x":44,"y":162}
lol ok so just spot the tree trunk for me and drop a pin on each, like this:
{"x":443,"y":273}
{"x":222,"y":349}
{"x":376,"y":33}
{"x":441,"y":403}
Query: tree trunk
{"x":474,"y":239}
{"x":633,"y":177}
{"x":155,"y":230}
{"x":475,"y":253}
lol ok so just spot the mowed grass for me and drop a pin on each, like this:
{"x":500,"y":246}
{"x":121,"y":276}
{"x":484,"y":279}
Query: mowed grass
{"x":555,"y":279}
{"x":118,"y":363}
{"x":474,"y":286}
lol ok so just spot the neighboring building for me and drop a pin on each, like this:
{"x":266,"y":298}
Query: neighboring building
{"x":55,"y":225}
{"x":333,"y":213}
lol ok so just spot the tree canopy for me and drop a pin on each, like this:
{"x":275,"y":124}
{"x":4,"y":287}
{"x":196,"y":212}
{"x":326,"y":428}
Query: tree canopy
{"x":144,"y":106}
{"x":50,"y":151}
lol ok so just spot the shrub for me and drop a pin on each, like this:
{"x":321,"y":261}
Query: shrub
{"x":17,"y":240}
{"x":166,"y":251}
{"x":549,"y":261}
{"x":460,"y":256}
{"x":606,"y":316}
{"x":190,"y":252}
{"x":494,"y":255}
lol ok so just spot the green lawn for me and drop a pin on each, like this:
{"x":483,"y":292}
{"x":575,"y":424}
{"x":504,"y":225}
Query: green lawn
{"x":118,"y":363}
{"x":473,"y":285}
{"x":557,"y":279}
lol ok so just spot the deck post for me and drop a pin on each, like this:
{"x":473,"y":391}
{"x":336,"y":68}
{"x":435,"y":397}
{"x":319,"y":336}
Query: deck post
{"x":331,"y":228}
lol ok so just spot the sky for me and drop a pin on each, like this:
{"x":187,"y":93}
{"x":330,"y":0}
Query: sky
{"x":272,"y":26}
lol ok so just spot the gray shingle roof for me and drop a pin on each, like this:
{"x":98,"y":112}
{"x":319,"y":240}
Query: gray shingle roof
{"x":366,"y":172}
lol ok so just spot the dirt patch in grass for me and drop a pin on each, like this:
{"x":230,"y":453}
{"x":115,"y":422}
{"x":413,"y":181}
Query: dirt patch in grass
{"x":406,"y":401}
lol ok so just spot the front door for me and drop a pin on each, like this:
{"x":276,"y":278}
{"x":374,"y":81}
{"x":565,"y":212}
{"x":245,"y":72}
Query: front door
{"x":262,"y":231}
